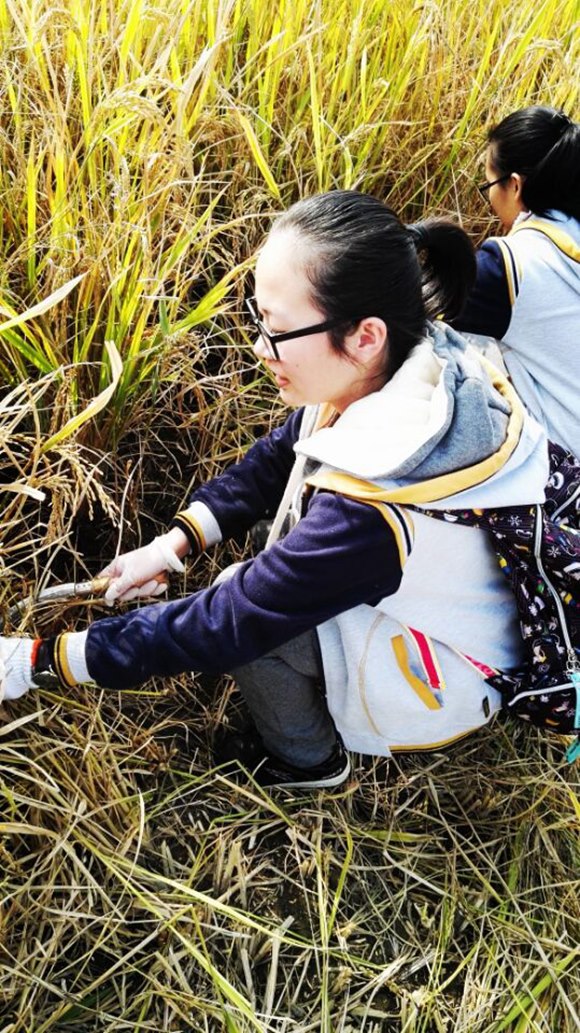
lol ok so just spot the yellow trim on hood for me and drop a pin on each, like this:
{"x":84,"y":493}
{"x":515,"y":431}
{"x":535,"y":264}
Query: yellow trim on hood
{"x":563,"y":241}
{"x":447,"y":484}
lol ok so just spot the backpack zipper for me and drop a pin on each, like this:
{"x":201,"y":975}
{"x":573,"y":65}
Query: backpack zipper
{"x":530,"y":693}
{"x":573,"y":663}
{"x":565,"y":504}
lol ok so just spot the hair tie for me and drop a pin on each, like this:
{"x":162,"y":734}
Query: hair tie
{"x":568,"y":122}
{"x":418,"y":235}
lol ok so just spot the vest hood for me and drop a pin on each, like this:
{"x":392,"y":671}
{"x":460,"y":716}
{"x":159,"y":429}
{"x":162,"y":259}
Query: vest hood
{"x":441,"y":428}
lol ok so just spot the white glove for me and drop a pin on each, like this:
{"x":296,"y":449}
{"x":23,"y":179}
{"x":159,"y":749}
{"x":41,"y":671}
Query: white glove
{"x":15,"y":667}
{"x":140,"y":572}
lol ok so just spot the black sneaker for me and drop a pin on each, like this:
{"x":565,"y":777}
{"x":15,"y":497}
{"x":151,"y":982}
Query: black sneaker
{"x":242,"y":745}
{"x":247,"y":750}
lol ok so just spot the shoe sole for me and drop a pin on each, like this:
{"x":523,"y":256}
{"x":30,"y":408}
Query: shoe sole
{"x":314,"y":783}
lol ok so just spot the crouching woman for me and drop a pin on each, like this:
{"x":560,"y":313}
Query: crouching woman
{"x":366,"y":624}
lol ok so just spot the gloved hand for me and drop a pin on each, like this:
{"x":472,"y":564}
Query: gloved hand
{"x":140,"y":572}
{"x":15,"y":667}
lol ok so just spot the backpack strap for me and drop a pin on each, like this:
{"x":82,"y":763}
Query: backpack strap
{"x":401,"y":524}
{"x":429,"y":662}
{"x":484,"y":670}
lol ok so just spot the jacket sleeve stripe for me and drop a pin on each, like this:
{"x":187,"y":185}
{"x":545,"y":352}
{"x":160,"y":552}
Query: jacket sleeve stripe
{"x":200,"y":525}
{"x":191,"y":528}
{"x":401,"y":525}
{"x":61,"y":661}
{"x":511,"y":270}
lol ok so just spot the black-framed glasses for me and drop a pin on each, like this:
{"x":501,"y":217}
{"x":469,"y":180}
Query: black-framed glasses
{"x":273,"y":340}
{"x":484,"y":187}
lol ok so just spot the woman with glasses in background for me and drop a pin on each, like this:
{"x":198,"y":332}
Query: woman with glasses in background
{"x":365,"y":623}
{"x":527,"y":290}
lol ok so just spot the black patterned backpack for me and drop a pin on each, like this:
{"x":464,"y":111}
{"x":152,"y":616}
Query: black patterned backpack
{"x":538,"y":548}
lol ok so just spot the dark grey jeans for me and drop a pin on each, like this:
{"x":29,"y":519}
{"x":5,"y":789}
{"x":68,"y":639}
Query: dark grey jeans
{"x":284,"y":691}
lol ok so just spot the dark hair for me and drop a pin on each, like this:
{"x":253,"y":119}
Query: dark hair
{"x":363,"y":261}
{"x":543,"y":145}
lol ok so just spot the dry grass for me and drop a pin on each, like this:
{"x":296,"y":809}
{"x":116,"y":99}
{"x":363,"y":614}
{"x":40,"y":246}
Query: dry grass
{"x":144,"y":148}
{"x":143,"y":892}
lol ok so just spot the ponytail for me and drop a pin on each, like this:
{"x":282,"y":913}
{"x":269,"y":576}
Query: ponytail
{"x":447,"y":264}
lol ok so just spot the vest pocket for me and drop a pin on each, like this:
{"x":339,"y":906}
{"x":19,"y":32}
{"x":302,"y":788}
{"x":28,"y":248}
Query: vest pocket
{"x":390,"y":687}
{"x":429,"y":694}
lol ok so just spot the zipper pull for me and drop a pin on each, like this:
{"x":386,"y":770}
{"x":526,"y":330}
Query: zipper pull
{"x":573,"y":672}
{"x":573,"y":751}
{"x":573,"y":663}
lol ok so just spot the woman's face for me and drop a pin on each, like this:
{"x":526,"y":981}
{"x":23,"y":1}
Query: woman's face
{"x":309,"y":370}
{"x":505,"y":198}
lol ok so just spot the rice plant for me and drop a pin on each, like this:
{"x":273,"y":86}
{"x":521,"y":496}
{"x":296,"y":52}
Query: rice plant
{"x":144,"y":149}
